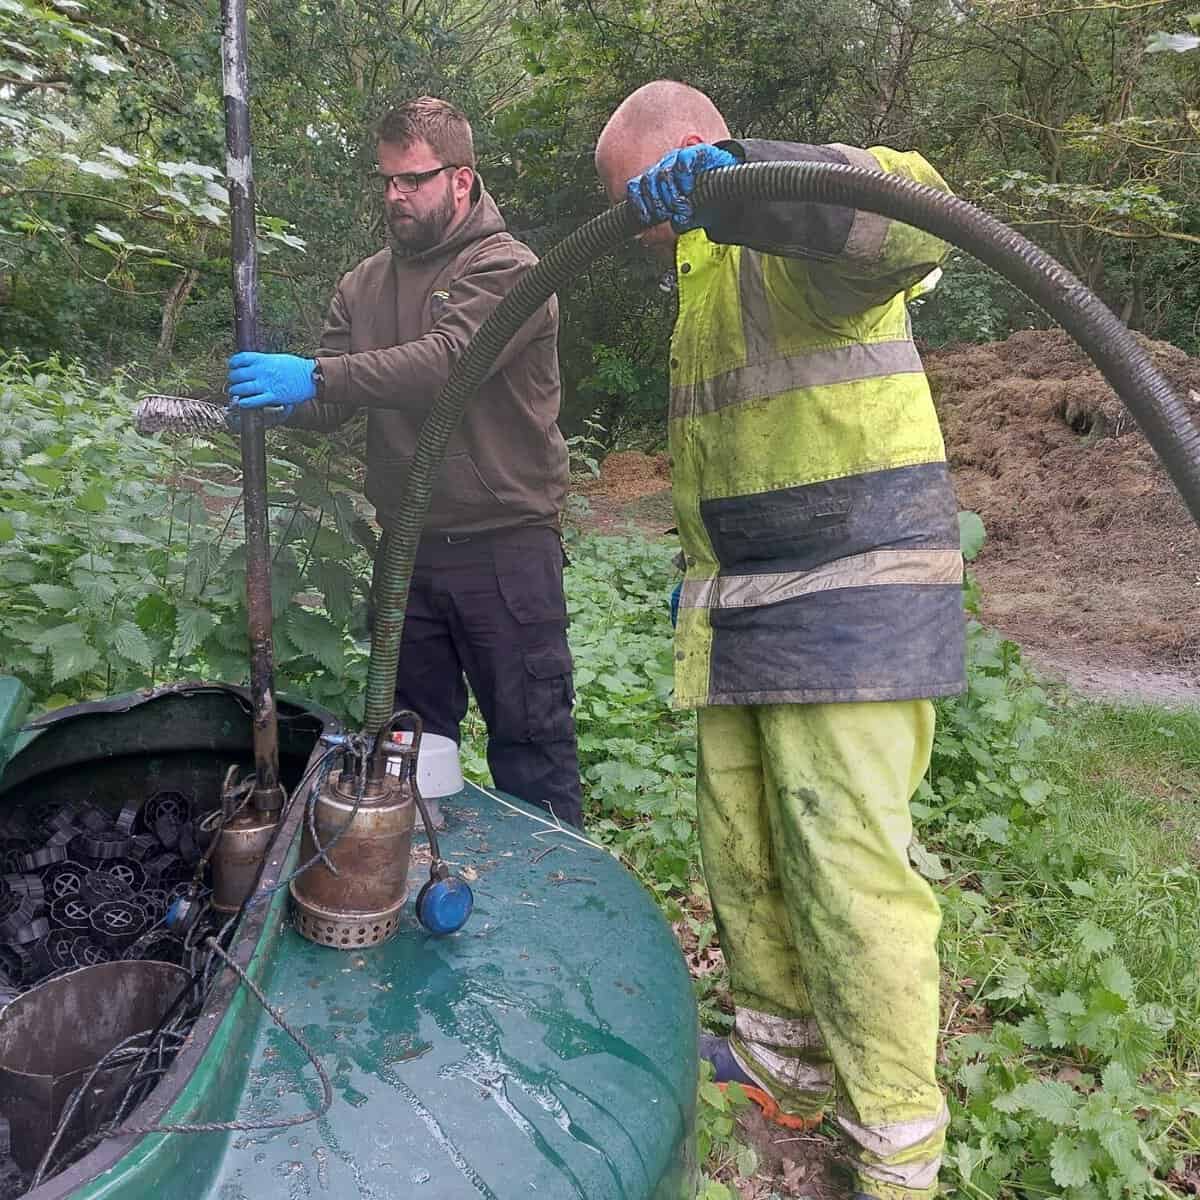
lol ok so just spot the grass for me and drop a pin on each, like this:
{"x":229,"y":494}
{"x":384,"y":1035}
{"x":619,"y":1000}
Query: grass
{"x":1151,"y":749}
{"x":1131,"y":780}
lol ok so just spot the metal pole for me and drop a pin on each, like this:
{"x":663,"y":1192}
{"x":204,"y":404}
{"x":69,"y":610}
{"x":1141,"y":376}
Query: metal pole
{"x":268,"y":795}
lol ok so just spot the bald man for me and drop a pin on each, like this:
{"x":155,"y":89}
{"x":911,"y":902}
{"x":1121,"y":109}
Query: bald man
{"x":820,"y":611}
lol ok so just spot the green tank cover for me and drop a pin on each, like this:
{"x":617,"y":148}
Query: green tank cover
{"x":549,"y":1049}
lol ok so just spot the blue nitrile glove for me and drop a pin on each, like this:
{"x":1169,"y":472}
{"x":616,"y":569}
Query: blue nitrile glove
{"x":676,"y":592}
{"x":664,"y":193}
{"x":271,"y":417}
{"x":259,"y":380}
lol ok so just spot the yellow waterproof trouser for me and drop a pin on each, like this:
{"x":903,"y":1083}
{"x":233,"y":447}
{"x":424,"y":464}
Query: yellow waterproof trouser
{"x":829,"y":933}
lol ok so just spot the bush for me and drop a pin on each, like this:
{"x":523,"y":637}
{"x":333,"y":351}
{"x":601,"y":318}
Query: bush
{"x":121,"y":559}
{"x":971,"y":303}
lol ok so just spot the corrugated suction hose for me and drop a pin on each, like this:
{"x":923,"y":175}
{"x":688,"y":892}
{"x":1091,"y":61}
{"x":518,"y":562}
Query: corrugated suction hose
{"x":1160,"y":413}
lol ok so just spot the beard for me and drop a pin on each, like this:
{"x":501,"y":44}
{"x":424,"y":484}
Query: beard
{"x":413,"y":235}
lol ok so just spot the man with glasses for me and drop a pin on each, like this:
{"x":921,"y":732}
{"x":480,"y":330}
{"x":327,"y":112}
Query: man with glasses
{"x":486,"y":600}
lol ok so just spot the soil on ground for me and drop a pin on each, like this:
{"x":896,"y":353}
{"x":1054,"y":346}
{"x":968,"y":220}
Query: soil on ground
{"x":791,"y":1164}
{"x":1092,"y":563}
{"x":632,"y":489}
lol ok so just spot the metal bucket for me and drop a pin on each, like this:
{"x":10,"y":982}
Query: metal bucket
{"x":52,"y":1036}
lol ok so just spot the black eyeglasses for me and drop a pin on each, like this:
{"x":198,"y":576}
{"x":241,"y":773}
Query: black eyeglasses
{"x":406,"y":182}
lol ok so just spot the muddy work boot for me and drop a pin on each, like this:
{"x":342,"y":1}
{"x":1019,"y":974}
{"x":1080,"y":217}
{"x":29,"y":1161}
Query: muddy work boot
{"x":727,"y":1069}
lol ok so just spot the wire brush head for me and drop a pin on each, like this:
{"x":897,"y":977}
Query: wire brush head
{"x":177,"y":414}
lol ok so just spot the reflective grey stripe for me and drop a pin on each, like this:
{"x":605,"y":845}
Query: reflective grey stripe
{"x":755,"y":309}
{"x":891,"y":1141}
{"x":813,"y":368}
{"x":856,"y":156}
{"x":798,"y":1074}
{"x":875,"y":568}
{"x":864,"y":243}
{"x":792,"y":1033}
{"x":886,"y":1141}
{"x":919,"y":1176}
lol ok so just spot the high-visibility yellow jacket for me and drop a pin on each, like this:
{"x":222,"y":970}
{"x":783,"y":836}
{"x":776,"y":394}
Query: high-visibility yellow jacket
{"x":815,"y":511}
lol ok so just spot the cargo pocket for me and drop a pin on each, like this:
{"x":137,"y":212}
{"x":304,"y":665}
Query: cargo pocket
{"x":530,"y":580}
{"x":549,"y":695}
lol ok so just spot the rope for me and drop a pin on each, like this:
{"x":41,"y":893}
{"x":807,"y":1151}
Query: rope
{"x":250,"y":1126}
{"x":115,"y":1056}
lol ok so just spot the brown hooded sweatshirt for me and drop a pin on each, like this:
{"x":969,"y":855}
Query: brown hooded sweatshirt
{"x":395,"y":329}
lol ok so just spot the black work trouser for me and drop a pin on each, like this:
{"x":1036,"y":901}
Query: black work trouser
{"x":491,"y":608}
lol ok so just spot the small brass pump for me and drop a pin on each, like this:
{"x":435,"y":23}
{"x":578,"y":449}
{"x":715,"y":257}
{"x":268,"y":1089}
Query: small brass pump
{"x":362,"y":822}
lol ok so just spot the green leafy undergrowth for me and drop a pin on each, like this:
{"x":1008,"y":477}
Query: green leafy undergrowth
{"x":1061,"y":841}
{"x":720,"y":1149}
{"x":637,"y":756}
{"x":1072,"y":913}
{"x":122,"y":561}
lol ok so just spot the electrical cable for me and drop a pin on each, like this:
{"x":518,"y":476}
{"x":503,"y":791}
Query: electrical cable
{"x":252,"y":1126}
{"x":356,"y":747}
{"x":435,"y":853}
{"x":112,"y":1057}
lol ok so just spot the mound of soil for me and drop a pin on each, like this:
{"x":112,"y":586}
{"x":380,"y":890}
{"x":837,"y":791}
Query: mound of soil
{"x":629,"y":481}
{"x":1088,"y":545}
{"x":630,"y":474}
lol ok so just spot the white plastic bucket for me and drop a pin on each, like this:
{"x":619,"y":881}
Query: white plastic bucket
{"x":438,"y":770}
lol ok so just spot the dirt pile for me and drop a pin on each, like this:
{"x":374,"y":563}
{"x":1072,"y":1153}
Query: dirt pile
{"x":629,"y":482}
{"x":1088,"y":544}
{"x":630,"y":474}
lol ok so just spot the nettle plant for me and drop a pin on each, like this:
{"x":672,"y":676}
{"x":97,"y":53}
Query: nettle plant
{"x":637,"y":756}
{"x":121,"y":558}
{"x":1062,"y":1087}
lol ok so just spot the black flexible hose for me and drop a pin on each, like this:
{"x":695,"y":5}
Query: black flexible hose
{"x":1161,"y":414}
{"x":559,"y":268}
